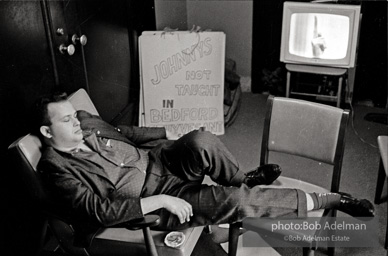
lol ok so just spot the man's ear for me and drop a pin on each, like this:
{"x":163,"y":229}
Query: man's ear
{"x":45,"y":131}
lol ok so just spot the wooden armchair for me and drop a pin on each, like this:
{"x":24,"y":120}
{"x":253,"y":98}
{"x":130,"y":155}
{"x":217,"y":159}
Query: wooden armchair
{"x":132,"y":238}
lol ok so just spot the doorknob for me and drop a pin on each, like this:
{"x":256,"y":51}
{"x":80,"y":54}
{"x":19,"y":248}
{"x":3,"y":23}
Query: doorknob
{"x":70,"y":49}
{"x":82,"y":39}
{"x":60,"y":31}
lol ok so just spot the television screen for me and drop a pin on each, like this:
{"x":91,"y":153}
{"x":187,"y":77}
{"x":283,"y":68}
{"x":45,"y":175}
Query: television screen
{"x":320,"y":34}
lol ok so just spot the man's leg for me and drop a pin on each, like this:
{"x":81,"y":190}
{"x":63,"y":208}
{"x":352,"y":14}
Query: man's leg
{"x":200,"y":153}
{"x":219,"y":204}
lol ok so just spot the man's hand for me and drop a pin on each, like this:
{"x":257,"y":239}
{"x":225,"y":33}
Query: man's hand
{"x":175,"y":205}
{"x":179,"y":207}
{"x":171,"y":136}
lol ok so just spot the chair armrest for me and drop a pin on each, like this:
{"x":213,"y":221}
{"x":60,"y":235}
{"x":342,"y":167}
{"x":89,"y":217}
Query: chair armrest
{"x":140,"y":223}
{"x":83,"y":238}
{"x":145,"y":223}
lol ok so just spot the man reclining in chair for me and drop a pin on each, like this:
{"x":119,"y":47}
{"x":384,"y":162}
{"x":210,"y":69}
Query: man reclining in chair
{"x":101,"y":174}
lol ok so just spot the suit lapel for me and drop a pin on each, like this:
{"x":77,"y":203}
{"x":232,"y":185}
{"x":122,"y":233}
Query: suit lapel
{"x":102,"y":129}
{"x":83,"y":164}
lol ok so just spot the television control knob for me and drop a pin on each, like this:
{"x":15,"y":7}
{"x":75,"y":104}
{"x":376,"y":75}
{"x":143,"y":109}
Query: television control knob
{"x":70,"y":49}
{"x":82,"y":39}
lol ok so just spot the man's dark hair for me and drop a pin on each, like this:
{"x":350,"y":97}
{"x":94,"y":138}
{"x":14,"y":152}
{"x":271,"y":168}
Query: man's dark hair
{"x":40,"y":113}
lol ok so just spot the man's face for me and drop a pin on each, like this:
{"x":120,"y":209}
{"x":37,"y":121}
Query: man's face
{"x":65,"y":129}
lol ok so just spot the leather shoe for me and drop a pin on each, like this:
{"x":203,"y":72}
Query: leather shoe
{"x":355,"y":207}
{"x":263,"y":175}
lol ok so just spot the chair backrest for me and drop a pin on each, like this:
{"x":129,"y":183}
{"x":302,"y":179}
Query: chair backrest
{"x":24,"y":155}
{"x":81,"y":101}
{"x":307,"y":129}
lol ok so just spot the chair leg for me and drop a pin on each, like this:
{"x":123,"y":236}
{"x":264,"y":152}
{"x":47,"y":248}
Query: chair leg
{"x":339,"y":92}
{"x":288,"y":84}
{"x":386,"y":235}
{"x":308,"y":252}
{"x":149,"y":241}
{"x":330,"y":251}
{"x":381,"y":177}
{"x":234,"y":232}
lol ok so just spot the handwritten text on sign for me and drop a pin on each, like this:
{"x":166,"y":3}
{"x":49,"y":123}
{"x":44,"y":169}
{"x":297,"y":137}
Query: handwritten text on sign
{"x":187,"y":89}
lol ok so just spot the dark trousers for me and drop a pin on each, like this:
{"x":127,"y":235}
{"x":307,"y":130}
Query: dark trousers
{"x":178,"y":169}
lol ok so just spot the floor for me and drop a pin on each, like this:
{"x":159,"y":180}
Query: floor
{"x":359,"y":172}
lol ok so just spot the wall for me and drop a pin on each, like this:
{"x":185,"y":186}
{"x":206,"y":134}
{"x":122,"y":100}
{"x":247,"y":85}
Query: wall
{"x":171,"y":13}
{"x":234,"y":17}
{"x":371,"y":74}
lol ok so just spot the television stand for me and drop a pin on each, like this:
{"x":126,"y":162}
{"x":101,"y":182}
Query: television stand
{"x":319,"y":70}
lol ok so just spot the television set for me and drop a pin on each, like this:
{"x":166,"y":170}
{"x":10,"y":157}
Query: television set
{"x":323,"y":34}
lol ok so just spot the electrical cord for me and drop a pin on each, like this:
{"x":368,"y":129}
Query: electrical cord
{"x":352,"y":117}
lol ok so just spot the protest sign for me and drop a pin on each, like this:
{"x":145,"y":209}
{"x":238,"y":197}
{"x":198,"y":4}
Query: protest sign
{"x":182,"y":80}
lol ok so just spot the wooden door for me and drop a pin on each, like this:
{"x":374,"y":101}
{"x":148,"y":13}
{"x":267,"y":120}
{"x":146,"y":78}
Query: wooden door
{"x":111,"y":55}
{"x":68,"y":51}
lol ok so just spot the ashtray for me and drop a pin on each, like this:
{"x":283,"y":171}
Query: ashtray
{"x":174,"y":239}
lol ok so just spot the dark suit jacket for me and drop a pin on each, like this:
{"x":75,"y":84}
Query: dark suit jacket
{"x":82,"y":188}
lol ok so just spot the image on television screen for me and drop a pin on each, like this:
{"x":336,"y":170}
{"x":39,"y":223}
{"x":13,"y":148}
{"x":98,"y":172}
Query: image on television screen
{"x":319,"y":35}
